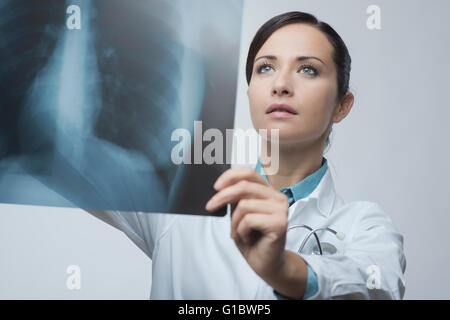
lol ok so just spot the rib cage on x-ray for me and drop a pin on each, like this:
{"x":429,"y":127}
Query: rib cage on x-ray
{"x":81,"y":108}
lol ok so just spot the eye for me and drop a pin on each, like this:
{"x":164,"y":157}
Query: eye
{"x":264,"y":67}
{"x":309,"y":70}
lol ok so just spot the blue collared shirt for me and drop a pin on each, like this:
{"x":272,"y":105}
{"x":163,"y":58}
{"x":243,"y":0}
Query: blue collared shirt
{"x":294,"y":193}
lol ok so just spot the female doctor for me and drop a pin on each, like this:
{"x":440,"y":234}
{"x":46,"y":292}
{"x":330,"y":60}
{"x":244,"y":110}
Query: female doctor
{"x":298,"y":71}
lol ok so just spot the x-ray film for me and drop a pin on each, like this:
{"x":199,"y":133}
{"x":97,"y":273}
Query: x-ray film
{"x":105,"y":104}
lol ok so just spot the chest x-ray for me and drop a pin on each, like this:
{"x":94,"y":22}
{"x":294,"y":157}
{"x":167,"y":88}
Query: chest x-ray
{"x":93,"y":93}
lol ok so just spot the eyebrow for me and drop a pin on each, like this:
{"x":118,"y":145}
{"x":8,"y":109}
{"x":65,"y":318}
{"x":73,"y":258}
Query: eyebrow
{"x":301,"y":58}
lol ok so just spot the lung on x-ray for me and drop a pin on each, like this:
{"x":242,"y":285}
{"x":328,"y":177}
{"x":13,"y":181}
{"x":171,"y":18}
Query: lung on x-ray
{"x":102,"y":100}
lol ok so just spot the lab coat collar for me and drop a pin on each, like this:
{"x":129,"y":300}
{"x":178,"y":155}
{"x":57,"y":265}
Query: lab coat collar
{"x":323,"y":196}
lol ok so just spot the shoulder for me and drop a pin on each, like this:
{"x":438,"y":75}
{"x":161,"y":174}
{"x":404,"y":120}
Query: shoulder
{"x":370,"y":220}
{"x":368,"y":210}
{"x":360,"y":209}
{"x":364,"y":214}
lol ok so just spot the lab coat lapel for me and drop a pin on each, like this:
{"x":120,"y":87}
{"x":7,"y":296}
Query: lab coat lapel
{"x":321,"y":199}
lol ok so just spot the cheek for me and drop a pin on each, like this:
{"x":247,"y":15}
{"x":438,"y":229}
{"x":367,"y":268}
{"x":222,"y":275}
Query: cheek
{"x":256,"y":103}
{"x":317,"y":101}
{"x":255,"y":92}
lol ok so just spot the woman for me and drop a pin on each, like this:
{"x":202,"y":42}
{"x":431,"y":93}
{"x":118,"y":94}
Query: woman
{"x":298,"y":72}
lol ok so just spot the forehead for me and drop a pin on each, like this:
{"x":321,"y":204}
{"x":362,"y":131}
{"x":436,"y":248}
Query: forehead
{"x":295,"y":40}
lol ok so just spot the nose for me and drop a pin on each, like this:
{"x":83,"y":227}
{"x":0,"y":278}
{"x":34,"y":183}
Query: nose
{"x":282,"y":85}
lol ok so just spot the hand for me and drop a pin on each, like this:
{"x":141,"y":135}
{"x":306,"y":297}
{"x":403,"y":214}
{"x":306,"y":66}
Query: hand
{"x":258,"y":218}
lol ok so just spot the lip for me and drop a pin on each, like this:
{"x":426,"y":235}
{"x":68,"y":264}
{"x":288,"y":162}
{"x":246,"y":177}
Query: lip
{"x":280,"y":110}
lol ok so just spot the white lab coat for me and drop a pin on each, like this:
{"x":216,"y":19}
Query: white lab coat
{"x":193,"y":257}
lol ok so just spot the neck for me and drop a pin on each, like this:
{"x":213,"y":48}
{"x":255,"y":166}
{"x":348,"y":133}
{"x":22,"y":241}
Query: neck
{"x":296,"y":162}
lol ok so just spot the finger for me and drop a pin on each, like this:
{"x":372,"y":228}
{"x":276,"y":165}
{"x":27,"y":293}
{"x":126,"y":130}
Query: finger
{"x":248,"y":206}
{"x":234,"y":175}
{"x":260,"y":222}
{"x":237,"y":191}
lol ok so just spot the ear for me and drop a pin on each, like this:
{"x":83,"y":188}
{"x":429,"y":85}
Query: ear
{"x":343,"y":107}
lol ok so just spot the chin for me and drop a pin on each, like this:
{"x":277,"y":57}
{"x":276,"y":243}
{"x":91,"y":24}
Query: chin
{"x":285,"y":136}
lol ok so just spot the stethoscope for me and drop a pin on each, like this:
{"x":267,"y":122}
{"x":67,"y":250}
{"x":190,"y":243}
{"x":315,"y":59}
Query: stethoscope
{"x":339,"y":235}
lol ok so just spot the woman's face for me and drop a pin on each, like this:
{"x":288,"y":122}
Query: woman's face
{"x":282,"y":75}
